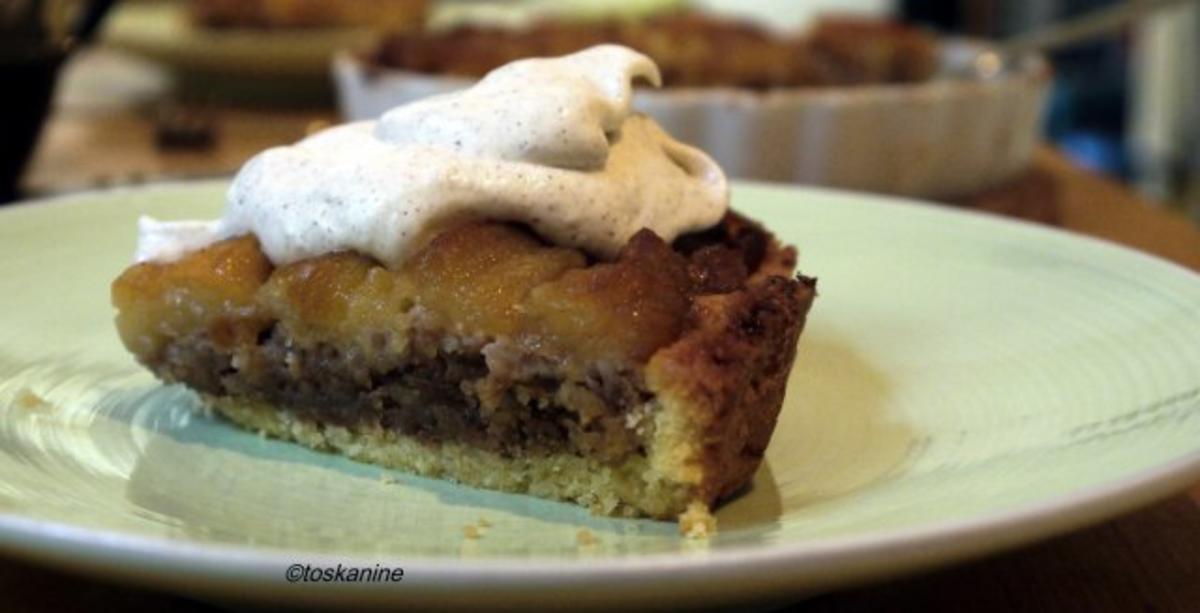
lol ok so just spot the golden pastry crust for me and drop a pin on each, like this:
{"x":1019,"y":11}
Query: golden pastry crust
{"x":384,"y":14}
{"x":640,"y":386}
{"x":727,"y":375}
{"x":691,"y":50}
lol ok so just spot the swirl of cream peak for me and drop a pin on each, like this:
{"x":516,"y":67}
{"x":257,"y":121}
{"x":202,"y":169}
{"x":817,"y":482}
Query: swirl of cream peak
{"x":551,"y":143}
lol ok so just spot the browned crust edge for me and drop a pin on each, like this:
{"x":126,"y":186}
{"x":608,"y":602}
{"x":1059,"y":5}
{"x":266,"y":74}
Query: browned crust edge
{"x":729,"y":373}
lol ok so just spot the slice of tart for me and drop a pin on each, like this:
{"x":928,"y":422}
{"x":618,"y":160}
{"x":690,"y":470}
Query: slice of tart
{"x":636,"y":387}
{"x":524,"y":286}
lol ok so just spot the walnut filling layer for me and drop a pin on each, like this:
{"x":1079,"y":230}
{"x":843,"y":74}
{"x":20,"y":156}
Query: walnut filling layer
{"x":495,"y":395}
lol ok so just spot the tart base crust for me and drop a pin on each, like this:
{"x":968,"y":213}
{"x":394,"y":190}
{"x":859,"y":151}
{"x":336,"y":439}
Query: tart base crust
{"x":560,"y":476}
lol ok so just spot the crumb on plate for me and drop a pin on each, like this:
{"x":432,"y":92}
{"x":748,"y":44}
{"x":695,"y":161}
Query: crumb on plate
{"x":697,"y":522}
{"x":26,"y":399}
{"x":584,"y":538}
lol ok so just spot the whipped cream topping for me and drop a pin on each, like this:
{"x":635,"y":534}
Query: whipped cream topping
{"x":552,"y":143}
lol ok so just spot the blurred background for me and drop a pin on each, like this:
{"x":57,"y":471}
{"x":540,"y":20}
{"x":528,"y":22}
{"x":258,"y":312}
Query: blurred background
{"x":182,"y":89}
{"x":1126,"y":105}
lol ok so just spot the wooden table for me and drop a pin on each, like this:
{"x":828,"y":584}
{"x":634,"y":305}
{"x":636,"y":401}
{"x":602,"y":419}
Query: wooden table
{"x":1146,"y":561}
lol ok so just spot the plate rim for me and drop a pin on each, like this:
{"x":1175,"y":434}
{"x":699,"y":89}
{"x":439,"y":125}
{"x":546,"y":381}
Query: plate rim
{"x":833,"y":561}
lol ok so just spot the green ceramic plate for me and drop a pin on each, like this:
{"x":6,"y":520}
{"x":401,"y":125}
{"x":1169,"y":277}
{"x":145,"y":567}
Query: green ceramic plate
{"x":163,"y":31}
{"x":277,"y":67}
{"x":965,"y":384}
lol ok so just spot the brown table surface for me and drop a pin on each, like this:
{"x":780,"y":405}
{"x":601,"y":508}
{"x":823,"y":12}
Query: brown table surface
{"x":1148,"y":560}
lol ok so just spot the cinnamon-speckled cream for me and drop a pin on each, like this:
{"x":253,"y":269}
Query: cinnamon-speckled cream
{"x":552,"y":143}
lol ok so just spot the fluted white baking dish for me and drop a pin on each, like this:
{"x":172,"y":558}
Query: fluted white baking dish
{"x":937,"y":139}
